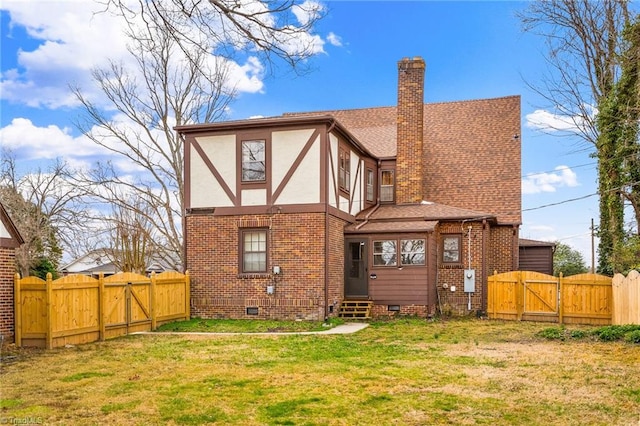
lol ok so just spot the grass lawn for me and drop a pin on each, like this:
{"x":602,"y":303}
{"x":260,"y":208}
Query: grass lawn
{"x":402,"y":372}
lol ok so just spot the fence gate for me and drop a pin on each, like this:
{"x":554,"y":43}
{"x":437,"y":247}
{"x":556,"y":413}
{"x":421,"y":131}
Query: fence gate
{"x":127,"y":304}
{"x":532,"y":296}
{"x":541,"y":298}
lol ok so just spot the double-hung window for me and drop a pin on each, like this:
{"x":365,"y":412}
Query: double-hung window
{"x":253,"y":251}
{"x":370,"y":183}
{"x":451,"y":249}
{"x":386,"y":185}
{"x":253,"y":161}
{"x":344,"y":172}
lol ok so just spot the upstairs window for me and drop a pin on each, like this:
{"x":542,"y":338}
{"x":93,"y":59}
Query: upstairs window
{"x":253,"y":161}
{"x":387,"y":182}
{"x":344,"y":174}
{"x":370,"y":185}
{"x":451,"y":249}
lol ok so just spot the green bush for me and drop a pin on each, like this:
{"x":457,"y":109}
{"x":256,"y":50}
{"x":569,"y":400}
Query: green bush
{"x":552,"y":333}
{"x":612,"y":333}
{"x":632,"y":337}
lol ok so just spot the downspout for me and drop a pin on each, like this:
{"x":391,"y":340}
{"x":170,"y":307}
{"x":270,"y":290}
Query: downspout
{"x":327,"y":234}
{"x":326,"y":264}
{"x":485,"y":285}
{"x":184,"y":210}
{"x":515,"y":252}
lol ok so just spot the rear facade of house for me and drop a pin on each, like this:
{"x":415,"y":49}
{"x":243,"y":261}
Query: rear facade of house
{"x":408,"y":207}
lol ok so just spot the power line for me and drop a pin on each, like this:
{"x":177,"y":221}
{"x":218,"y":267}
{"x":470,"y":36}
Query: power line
{"x":572,"y":167}
{"x":580,"y":198}
{"x":558,"y":169}
{"x":560,"y":202}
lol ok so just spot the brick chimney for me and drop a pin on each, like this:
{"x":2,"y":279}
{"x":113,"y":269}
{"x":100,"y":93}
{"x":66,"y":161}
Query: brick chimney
{"x":410,"y":131}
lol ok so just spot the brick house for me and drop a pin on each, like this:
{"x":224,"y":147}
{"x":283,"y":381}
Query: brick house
{"x":409,"y":207}
{"x":10,"y":239}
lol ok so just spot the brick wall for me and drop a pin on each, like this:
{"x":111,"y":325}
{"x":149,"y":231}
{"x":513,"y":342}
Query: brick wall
{"x":7,"y":272}
{"x":499,"y":256}
{"x":410,"y":131}
{"x":502,"y":253}
{"x":336,"y":264}
{"x":296,"y":244}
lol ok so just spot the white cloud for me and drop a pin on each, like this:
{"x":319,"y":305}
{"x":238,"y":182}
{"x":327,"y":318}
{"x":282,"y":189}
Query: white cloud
{"x":546,"y":121}
{"x":307,"y":11}
{"x":334,"y":39}
{"x":246,"y":78}
{"x":303,"y":44}
{"x":50,"y":142}
{"x":534,"y":183}
{"x":74,"y":39}
{"x":72,"y":42}
{"x":541,"y":228}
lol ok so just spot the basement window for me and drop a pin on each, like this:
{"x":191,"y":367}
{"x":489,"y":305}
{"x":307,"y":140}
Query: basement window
{"x":252,"y":310}
{"x":393,"y":308}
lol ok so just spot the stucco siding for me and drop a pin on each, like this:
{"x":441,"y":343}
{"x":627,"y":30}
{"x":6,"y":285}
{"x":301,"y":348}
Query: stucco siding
{"x":304,"y":185}
{"x":206,"y":191}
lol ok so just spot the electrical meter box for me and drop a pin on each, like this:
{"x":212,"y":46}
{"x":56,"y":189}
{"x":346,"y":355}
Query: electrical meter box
{"x":469,"y":280}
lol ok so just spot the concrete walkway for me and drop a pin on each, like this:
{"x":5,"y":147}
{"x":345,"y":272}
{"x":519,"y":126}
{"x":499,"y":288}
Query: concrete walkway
{"x":346,"y":328}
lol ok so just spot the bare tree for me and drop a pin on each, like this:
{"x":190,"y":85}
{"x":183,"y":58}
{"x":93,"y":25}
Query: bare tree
{"x":47,"y":209}
{"x":181,"y":75}
{"x":132,"y":238}
{"x":165,"y":89}
{"x":585,"y":41}
{"x":273,"y":29}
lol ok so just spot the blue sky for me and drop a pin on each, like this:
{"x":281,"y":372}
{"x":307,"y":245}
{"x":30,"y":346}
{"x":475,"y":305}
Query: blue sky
{"x":472,"y":50}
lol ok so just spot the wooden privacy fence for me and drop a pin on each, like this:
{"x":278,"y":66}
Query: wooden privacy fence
{"x":532,"y":296}
{"x":79,"y":309}
{"x":626,"y":298}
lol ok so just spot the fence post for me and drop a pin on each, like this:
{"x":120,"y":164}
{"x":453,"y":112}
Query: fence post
{"x":17,"y":311}
{"x":187,"y":292}
{"x":49,"y":304}
{"x":102,"y":313}
{"x":519,"y":296}
{"x":152,"y":305}
{"x":561,"y":298}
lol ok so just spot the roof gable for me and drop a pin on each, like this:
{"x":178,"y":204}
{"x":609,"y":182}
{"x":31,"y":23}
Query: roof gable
{"x":9,"y":234}
{"x":471,"y":150}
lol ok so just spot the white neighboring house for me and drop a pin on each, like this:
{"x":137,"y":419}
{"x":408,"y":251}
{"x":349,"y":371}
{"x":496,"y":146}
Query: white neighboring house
{"x":99,"y":261}
{"x":93,"y":264}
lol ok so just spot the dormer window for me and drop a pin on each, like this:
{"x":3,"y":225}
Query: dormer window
{"x":344,"y":174}
{"x":253,"y":161}
{"x":387,"y":184}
